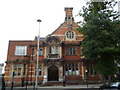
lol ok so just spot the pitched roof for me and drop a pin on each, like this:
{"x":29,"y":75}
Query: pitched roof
{"x":64,"y":27}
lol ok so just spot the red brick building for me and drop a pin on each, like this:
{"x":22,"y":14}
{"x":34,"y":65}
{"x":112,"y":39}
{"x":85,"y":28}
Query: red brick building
{"x":60,"y":54}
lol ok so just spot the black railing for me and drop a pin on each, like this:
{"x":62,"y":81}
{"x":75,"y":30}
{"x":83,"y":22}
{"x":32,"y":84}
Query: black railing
{"x":51,"y":56}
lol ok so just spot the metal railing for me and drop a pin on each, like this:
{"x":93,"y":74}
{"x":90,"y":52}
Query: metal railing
{"x":53,"y":56}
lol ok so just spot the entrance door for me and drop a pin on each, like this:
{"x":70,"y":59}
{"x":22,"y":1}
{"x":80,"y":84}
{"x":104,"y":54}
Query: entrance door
{"x":53,"y":73}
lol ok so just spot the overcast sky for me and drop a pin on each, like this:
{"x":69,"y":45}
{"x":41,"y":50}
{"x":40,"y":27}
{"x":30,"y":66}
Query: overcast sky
{"x":18,"y":19}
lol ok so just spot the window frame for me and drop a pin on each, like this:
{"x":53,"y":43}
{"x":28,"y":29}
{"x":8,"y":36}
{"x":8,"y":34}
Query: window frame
{"x":54,"y":50}
{"x":71,"y":51}
{"x":91,"y":70}
{"x":21,"y":50}
{"x":17,"y":69}
{"x":72,"y":69}
{"x":40,"y":69}
{"x":70,"y":35}
{"x":41,"y":52}
{"x":24,"y":69}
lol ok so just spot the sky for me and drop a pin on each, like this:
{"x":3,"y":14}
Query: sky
{"x":18,"y":19}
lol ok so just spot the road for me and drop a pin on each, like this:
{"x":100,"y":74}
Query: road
{"x":21,"y":88}
{"x":68,"y":87}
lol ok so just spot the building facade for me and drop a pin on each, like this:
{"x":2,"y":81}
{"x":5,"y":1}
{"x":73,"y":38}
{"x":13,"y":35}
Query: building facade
{"x":59,"y":55}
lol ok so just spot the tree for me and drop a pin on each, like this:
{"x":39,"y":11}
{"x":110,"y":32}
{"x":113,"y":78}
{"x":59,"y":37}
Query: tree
{"x":101,"y":31}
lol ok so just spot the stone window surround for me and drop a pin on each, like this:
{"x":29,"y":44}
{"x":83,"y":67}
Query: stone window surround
{"x":70,"y":35}
{"x":21,"y":50}
{"x":21,"y":71}
{"x":72,"y":66}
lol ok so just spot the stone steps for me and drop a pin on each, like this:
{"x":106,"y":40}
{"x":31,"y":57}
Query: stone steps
{"x":53,"y":83}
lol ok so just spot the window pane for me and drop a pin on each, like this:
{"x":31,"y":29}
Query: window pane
{"x":24,"y":71}
{"x":41,"y":52}
{"x":71,"y":69}
{"x":19,"y":72}
{"x":19,"y":66}
{"x":74,"y":71}
{"x":71,"y":51}
{"x":53,"y":50}
{"x":74,"y":51}
{"x":67,"y":51}
{"x":66,"y":72}
{"x":17,"y":69}
{"x":20,"y":50}
{"x":40,"y":69}
{"x":67,"y":34}
{"x":70,"y":35}
{"x":70,"y":72}
{"x":40,"y":72}
{"x":56,"y":50}
{"x":77,"y":72}
{"x":91,"y":70}
{"x":15,"y":73}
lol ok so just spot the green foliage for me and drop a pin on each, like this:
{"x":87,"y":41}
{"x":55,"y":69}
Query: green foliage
{"x":101,"y":30}
{"x":106,"y":67}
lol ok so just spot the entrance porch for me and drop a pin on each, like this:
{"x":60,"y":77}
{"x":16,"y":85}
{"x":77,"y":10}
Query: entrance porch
{"x":53,"y":73}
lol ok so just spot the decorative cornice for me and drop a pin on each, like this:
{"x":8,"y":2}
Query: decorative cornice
{"x":18,"y":61}
{"x":53,"y":62}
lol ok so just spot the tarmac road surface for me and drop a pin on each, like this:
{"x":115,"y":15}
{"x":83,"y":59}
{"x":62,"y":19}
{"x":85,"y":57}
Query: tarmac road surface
{"x":68,"y":87}
{"x":52,"y":89}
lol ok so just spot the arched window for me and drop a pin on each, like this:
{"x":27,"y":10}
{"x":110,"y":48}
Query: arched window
{"x":70,"y":34}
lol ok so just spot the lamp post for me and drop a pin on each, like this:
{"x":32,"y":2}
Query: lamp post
{"x":31,"y":64}
{"x":86,"y":71}
{"x":12,"y":84}
{"x":38,"y":40}
{"x":119,"y":8}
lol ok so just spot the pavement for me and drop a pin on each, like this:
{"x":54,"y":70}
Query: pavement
{"x":67,"y":87}
{"x":74,"y":86}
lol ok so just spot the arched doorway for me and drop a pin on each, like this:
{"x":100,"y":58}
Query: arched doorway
{"x":53,"y":73}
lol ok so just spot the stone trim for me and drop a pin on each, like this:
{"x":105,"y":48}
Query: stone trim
{"x":18,"y":61}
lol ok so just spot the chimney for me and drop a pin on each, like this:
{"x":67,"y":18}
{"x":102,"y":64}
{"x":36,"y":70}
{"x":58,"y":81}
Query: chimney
{"x":69,"y":17}
{"x":68,"y":11}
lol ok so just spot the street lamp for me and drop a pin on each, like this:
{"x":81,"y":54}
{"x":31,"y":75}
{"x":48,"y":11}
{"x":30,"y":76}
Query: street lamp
{"x":86,"y":71}
{"x":31,"y":64}
{"x":38,"y":40}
